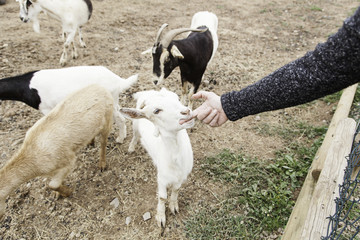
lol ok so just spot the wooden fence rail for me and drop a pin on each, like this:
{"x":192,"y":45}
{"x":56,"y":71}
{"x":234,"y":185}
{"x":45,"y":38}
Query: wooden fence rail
{"x":301,"y":219}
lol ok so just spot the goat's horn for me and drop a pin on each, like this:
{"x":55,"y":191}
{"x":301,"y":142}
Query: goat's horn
{"x":160,"y":31}
{"x":173,"y":33}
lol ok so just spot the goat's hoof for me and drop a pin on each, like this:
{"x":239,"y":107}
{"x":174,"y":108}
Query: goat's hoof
{"x":120,"y":139}
{"x":161,"y":220}
{"x":64,"y":191}
{"x":174,"y":207}
{"x":102,"y":168}
{"x":62,"y":62}
{"x":131,"y":149}
{"x":75,"y":55}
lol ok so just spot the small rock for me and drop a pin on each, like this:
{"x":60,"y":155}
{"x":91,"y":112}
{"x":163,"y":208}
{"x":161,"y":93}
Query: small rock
{"x":257,"y":118}
{"x":115,"y":203}
{"x":127,"y":220}
{"x":146,"y":216}
{"x":72,"y":235}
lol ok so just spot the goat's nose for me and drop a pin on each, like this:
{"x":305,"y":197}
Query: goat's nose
{"x":23,"y":19}
{"x":155,"y":82}
{"x":185,"y":112}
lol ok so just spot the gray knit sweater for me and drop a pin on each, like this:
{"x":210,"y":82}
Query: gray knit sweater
{"x":332,"y":66}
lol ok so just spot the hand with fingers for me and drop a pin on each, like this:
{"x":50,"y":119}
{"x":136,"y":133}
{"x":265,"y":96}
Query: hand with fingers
{"x":211,"y":111}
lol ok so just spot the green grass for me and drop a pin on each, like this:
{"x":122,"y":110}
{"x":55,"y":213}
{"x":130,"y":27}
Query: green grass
{"x":332,"y":98}
{"x":261,"y":194}
{"x":315,"y":8}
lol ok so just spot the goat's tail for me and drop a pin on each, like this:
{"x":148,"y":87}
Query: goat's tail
{"x":129,"y":82}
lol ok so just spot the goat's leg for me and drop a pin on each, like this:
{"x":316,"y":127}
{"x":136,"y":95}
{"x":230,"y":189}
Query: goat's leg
{"x":2,"y":208}
{"x":103,"y":141}
{"x":173,"y":202}
{"x":134,"y":139}
{"x":58,"y":178}
{"x":69,"y":40}
{"x":63,"y":36}
{"x":63,"y":57}
{"x":183,"y":92}
{"x":120,"y":122}
{"x":81,"y":40}
{"x":190,"y":102}
{"x":74,"y":53}
{"x":160,"y":211}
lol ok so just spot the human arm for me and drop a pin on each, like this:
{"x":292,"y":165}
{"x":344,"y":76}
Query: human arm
{"x":332,"y":66}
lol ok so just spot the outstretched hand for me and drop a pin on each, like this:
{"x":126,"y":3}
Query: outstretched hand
{"x":211,"y":111}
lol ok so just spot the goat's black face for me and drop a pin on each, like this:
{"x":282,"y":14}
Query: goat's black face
{"x":163,"y":63}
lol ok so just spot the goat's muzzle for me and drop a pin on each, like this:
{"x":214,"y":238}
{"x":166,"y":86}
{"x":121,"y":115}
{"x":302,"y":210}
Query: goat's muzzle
{"x":24,"y":19}
{"x":156,"y":82}
{"x":185,"y":112}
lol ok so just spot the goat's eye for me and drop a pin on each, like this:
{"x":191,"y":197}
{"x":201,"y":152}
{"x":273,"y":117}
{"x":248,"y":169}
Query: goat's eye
{"x":157,"y":111}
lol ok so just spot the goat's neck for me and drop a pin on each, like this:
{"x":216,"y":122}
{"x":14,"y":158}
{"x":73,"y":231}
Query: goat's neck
{"x":19,"y":91}
{"x":9,"y":90}
{"x":170,"y":139}
{"x":51,"y":8}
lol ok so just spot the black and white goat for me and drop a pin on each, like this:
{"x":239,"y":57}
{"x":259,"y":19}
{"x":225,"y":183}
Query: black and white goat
{"x":191,"y":54}
{"x":71,"y":13}
{"x":44,"y":89}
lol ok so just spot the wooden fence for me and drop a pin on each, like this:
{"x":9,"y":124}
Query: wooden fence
{"x":316,"y":199}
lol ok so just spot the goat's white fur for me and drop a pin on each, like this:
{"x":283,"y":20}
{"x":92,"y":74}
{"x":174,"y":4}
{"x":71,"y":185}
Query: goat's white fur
{"x":156,"y":122}
{"x":71,"y":13}
{"x":53,"y":85}
{"x":49,"y":147}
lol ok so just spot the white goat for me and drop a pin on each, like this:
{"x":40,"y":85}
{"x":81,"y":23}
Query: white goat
{"x":156,"y":123}
{"x":45,"y":88}
{"x":71,"y":13}
{"x":50,"y":146}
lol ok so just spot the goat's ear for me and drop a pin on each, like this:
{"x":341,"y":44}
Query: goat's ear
{"x":147,"y":51}
{"x":176,"y":52}
{"x":132,"y":113}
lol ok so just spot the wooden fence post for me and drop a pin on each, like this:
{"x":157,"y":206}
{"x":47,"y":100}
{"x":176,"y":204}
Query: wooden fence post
{"x":322,"y":204}
{"x":298,"y":216}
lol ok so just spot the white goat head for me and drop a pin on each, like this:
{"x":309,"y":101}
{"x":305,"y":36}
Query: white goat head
{"x":162,"y":108}
{"x":29,"y":10}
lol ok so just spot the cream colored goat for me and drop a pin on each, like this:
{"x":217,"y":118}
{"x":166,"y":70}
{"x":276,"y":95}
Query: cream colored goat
{"x":50,"y":145}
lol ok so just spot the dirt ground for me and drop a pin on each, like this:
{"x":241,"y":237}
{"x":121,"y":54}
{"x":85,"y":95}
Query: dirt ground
{"x":255,"y":38}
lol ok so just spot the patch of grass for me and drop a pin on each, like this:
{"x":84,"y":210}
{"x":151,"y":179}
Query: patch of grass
{"x":355,"y":108}
{"x":261,"y":196}
{"x":288,"y":134}
{"x":264,"y":11}
{"x":315,"y":8}
{"x":332,"y":98}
